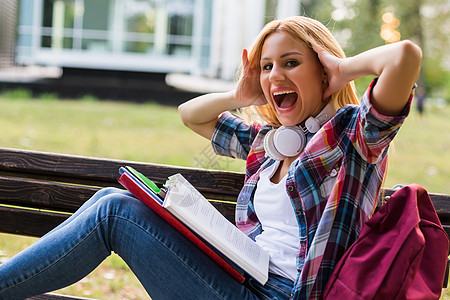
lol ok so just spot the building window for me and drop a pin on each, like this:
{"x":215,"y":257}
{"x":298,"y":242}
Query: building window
{"x":149,"y":26}
{"x":82,"y":32}
{"x":58,"y":24}
{"x":159,"y":27}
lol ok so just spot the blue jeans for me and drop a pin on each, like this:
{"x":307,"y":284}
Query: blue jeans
{"x":164,"y":261}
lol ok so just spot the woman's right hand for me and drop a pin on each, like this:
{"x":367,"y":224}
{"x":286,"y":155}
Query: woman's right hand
{"x":201,"y":113}
{"x":248,"y":91}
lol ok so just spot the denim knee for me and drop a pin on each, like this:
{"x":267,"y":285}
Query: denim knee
{"x":108,"y":191}
{"x":110,"y":197}
{"x":97,"y":196}
{"x":114,"y":202}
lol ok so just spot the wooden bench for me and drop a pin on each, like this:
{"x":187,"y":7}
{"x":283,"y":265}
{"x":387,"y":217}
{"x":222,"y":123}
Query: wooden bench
{"x":39,"y":190}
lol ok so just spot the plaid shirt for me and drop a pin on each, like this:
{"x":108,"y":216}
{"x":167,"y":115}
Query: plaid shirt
{"x":333,"y":185}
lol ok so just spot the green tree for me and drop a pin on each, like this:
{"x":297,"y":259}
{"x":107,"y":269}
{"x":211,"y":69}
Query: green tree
{"x":426,"y":22}
{"x":357,"y":25}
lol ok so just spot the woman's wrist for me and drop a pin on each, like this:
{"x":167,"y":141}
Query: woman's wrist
{"x":225,"y":101}
{"x":351,"y":69}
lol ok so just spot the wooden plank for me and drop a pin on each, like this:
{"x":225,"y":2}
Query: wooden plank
{"x":55,"y":196}
{"x":28,"y":222}
{"x":43,"y":195}
{"x":441,"y":203}
{"x":213,"y":184}
{"x":67,"y":198}
{"x":37,"y":223}
{"x":226,"y":209}
{"x":104,"y":172}
{"x":446,"y":228}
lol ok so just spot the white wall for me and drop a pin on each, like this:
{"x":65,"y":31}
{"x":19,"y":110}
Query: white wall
{"x":235,"y":24}
{"x":287,"y":8}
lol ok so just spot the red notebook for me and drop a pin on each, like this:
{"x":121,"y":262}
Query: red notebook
{"x":130,"y":180}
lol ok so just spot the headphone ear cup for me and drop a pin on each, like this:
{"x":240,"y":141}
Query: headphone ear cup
{"x":269,"y":146}
{"x":289,"y":141}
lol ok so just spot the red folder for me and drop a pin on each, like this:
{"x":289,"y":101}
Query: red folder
{"x":132,"y":184}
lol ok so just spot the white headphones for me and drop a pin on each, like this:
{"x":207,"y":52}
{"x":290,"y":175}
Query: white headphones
{"x":291,"y":140}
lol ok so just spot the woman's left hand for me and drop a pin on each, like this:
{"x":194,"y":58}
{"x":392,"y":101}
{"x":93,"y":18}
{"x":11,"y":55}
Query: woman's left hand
{"x":331,"y":65}
{"x":396,"y":65}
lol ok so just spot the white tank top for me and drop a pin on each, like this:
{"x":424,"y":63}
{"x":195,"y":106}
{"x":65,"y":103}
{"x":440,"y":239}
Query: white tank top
{"x":280,"y":236}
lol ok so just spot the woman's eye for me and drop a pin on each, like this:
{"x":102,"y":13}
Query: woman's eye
{"x":267,"y":67}
{"x":292,"y":63}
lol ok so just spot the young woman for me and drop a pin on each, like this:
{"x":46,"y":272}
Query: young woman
{"x":304,"y":205}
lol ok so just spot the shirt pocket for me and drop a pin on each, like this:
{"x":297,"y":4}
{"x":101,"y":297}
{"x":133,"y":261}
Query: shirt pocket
{"x":331,"y":161}
{"x":328,"y":183}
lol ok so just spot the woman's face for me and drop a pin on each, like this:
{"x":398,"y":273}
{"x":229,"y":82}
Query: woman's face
{"x":291,"y":78}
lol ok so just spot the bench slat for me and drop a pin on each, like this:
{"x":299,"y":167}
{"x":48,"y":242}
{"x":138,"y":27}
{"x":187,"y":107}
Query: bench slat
{"x":213,"y":184}
{"x":68,"y":197}
{"x":43,"y":195}
{"x":28,"y":222}
{"x":441,"y":204}
{"x":60,"y":197}
{"x":37,"y":223}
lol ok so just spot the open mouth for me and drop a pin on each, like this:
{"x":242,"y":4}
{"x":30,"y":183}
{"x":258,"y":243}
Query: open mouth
{"x":285,"y":99}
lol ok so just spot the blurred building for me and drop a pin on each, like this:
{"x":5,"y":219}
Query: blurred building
{"x":8,"y":19}
{"x":196,"y":37}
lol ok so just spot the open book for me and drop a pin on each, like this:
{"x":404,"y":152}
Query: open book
{"x":199,"y":216}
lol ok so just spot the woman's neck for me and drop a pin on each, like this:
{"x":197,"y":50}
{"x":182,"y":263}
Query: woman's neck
{"x":283,"y":169}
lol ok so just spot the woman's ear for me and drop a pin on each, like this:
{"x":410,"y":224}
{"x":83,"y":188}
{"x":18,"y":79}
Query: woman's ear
{"x":324,"y":81}
{"x":324,"y":85}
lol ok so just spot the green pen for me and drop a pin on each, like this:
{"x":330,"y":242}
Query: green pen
{"x":150,"y":184}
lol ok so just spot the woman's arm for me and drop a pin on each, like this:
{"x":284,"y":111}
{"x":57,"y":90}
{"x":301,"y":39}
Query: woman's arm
{"x":397,"y":66}
{"x":201,"y":114}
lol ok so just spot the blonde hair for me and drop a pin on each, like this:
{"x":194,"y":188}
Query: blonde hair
{"x":306,"y":30}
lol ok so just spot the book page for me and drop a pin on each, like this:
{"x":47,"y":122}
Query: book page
{"x":188,"y":205}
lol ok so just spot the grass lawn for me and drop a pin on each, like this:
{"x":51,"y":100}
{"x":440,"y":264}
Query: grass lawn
{"x":154,"y":133}
{"x":420,"y":153}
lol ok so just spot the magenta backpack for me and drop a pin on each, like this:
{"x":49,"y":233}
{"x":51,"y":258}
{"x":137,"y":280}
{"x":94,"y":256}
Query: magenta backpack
{"x":401,"y":253}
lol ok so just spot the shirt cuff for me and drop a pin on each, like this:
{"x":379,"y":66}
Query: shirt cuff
{"x":376,"y":130}
{"x":223,"y":134}
{"x":367,"y":106}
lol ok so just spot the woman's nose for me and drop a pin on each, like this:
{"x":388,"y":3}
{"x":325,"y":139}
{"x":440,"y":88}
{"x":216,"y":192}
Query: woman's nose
{"x":276,"y":74}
